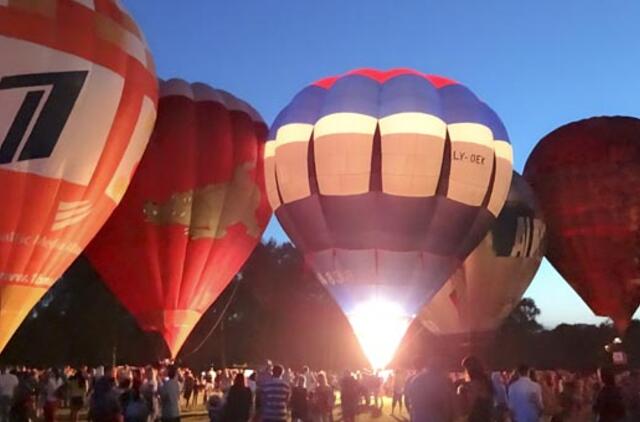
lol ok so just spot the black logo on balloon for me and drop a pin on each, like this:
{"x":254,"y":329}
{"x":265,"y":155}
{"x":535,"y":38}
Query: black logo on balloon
{"x":517,"y":233}
{"x":48,"y":125}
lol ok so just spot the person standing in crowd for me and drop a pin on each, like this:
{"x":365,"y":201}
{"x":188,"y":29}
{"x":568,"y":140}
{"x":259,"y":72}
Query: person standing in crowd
{"x":252,"y":384}
{"x":209,"y":387}
{"x":237,"y":407}
{"x":631,"y":394}
{"x":568,"y":404}
{"x":198,"y":387}
{"x":123,"y":391}
{"x":149,"y":392}
{"x":136,"y":409}
{"x":525,"y":397}
{"x":349,"y":397}
{"x":322,"y":400}
{"x":274,"y":397}
{"x":429,"y":393}
{"x":223,"y":380}
{"x":476,"y":394}
{"x":78,"y":388}
{"x":104,"y":403}
{"x":310,"y":381}
{"x":169,"y":393}
{"x":550,"y":396}
{"x":300,"y":401}
{"x":376,"y":391}
{"x":500,"y":401}
{"x":110,"y":373}
{"x":397,"y":386}
{"x":188,"y":388}
{"x":265,"y":373}
{"x":215,"y":407}
{"x":54,"y":386}
{"x":609,"y":405}
{"x":23,"y":408}
{"x":8,"y":384}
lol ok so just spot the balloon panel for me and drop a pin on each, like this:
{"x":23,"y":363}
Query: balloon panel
{"x":78,"y":103}
{"x":490,"y":283}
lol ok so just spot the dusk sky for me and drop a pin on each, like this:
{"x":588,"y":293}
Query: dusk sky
{"x":538,"y":64}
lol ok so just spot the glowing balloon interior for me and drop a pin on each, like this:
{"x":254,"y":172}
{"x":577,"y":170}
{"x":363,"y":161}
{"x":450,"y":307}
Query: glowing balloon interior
{"x":386,"y":181}
{"x":78,"y":97}
{"x":379,"y":326}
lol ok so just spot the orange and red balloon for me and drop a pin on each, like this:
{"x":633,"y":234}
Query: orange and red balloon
{"x":78,"y":97}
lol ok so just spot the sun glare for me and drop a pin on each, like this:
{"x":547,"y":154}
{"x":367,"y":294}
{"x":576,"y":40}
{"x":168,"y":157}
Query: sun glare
{"x":379,"y":326}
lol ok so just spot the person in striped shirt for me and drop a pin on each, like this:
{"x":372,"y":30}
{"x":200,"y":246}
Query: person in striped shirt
{"x":274,"y":397}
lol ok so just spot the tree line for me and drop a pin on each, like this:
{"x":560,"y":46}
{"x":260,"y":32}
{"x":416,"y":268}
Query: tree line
{"x":275,"y":309}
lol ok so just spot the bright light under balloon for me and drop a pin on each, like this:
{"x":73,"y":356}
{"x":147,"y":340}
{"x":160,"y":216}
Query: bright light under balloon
{"x":379,"y":326}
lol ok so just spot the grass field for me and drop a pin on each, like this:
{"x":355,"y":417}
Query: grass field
{"x":199,"y":414}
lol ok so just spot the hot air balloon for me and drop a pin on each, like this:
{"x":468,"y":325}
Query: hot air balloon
{"x":386,"y":181}
{"x":587,"y":175}
{"x":78,"y":97}
{"x":493,"y":278}
{"x":195,"y":210}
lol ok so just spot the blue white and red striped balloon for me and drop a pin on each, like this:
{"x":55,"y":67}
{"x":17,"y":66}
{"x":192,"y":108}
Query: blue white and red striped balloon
{"x":386,"y":181}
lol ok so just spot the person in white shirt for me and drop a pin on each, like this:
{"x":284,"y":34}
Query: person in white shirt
{"x":8,"y":384}
{"x":53,"y":386}
{"x":310,"y":379}
{"x":149,"y":391}
{"x":525,"y":397}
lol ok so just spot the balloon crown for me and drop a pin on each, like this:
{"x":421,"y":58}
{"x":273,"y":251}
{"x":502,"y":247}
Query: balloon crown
{"x":381,"y":76}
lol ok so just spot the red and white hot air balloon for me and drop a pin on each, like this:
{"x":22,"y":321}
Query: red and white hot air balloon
{"x":195,"y":210}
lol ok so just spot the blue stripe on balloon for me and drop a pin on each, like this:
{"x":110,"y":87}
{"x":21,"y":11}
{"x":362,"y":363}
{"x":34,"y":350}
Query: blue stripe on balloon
{"x":496,"y":125}
{"x":304,"y":108}
{"x":460,"y":105}
{"x":401,"y":94}
{"x":352,"y":94}
{"x":409,"y":93}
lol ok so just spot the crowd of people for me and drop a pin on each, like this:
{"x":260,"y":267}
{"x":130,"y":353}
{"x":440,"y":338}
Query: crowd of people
{"x":165,"y":392}
{"x":522,"y":395}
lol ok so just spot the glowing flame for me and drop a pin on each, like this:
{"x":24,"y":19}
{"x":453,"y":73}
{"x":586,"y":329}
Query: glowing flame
{"x":379,"y":326}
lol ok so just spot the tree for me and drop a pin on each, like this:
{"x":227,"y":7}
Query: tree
{"x":524,"y":317}
{"x":274,"y":308}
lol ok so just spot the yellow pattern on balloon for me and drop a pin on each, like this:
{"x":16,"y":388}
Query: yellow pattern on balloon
{"x":209,"y":211}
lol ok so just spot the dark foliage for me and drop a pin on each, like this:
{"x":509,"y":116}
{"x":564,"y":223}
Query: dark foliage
{"x":277,"y":310}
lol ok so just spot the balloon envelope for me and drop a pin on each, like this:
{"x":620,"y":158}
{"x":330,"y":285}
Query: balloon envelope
{"x":195,"y":210}
{"x":587,"y":175}
{"x":493,"y":278}
{"x":78,"y":97}
{"x":386,"y":181}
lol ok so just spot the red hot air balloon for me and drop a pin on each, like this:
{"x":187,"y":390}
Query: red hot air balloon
{"x":195,"y":210}
{"x":78,"y":97}
{"x":386,"y":181}
{"x":587,"y":175}
{"x":489,"y":285}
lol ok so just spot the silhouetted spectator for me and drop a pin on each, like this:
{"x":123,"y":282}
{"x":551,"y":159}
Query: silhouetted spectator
{"x":609,"y":405}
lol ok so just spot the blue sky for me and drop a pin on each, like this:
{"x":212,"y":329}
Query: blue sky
{"x":539,"y":64}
